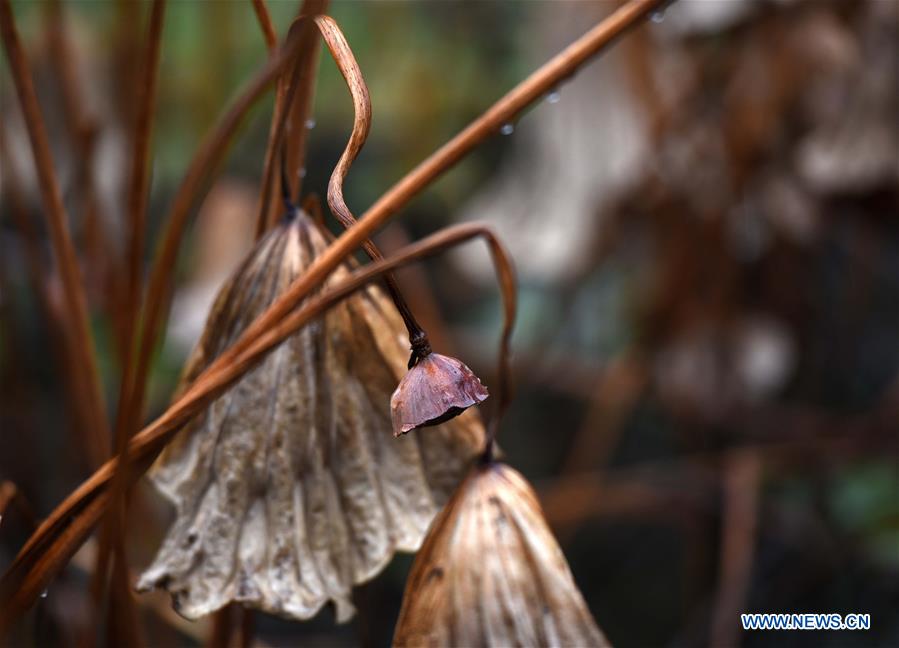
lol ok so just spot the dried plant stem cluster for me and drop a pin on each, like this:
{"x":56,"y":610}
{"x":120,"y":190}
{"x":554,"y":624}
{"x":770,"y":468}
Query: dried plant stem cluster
{"x":283,"y":408}
{"x":290,"y":488}
{"x":63,"y":249}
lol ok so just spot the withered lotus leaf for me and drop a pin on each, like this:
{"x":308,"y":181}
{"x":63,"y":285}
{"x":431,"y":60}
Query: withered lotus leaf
{"x":490,"y":573}
{"x":435,"y":390}
{"x":290,"y":488}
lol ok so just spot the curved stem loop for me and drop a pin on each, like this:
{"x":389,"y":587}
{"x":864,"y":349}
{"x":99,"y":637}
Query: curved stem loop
{"x":346,"y":62}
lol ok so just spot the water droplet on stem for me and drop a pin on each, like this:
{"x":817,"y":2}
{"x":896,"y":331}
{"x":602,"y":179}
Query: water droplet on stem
{"x":553,"y":96}
{"x":507,"y":128}
{"x":310,"y":123}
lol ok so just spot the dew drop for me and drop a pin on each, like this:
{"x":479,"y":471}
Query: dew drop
{"x":310,"y":124}
{"x":657,"y":16}
{"x":553,"y":97}
{"x":507,"y":128}
{"x":44,"y":594}
{"x":302,"y":172}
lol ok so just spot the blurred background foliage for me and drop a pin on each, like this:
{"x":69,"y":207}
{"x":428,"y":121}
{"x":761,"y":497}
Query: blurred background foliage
{"x":705,"y":226}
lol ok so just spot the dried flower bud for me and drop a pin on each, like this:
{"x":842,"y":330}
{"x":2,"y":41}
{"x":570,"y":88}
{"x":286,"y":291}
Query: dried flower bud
{"x":289,"y":489}
{"x":490,"y":573}
{"x":435,"y":390}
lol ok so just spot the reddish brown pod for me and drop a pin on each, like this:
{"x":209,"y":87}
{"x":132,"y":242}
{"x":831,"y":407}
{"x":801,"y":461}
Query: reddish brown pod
{"x":490,"y":573}
{"x":435,"y":390}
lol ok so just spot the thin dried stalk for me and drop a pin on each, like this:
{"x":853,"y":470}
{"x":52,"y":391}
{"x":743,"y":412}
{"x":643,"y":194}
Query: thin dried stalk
{"x":126,"y":47}
{"x":416,"y":288}
{"x":83,"y":128}
{"x":138,"y":190}
{"x":284,"y":93}
{"x":265,"y":23}
{"x":271,"y":41}
{"x":59,"y":536}
{"x":97,"y":254}
{"x":301,"y":107}
{"x":83,"y":346}
{"x":293,"y":103}
{"x":112,"y":541}
{"x":349,"y":68}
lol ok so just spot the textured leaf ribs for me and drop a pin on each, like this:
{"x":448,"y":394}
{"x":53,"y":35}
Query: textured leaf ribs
{"x":290,"y":488}
{"x":491,"y":573}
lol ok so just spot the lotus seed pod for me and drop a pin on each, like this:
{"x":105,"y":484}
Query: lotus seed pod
{"x":435,"y":390}
{"x":490,"y":573}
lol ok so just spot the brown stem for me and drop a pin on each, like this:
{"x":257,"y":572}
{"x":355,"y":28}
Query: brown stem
{"x":271,"y":42}
{"x":63,"y":250}
{"x":285,"y":91}
{"x":301,"y":107}
{"x":138,"y":191}
{"x":349,"y":68}
{"x":291,"y":115}
{"x":83,"y":126}
{"x":346,"y":62}
{"x":112,"y":542}
{"x":265,"y":23}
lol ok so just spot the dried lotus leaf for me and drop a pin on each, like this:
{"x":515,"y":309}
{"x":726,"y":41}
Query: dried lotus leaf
{"x":490,"y":573}
{"x":290,"y":488}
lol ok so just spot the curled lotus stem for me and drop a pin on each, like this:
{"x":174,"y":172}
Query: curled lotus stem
{"x":352,"y":74}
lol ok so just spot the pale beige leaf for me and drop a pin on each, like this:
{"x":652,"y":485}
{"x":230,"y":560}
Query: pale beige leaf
{"x":291,"y":488}
{"x":490,"y":573}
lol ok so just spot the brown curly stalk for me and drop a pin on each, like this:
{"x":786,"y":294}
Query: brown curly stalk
{"x":293,"y":104}
{"x":349,"y":68}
